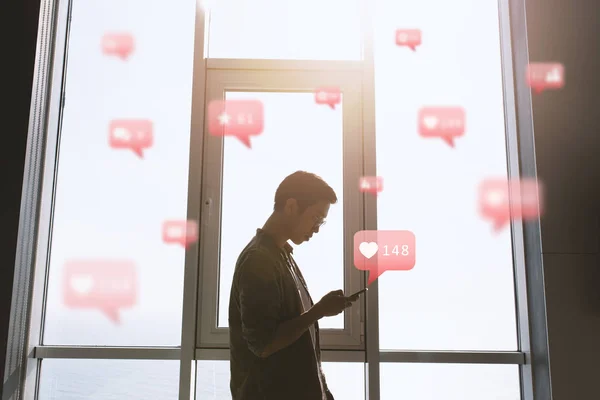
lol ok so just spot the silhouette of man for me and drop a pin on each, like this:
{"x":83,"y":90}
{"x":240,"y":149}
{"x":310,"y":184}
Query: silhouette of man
{"x":273,"y":328}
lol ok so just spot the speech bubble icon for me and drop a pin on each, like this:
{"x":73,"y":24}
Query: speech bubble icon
{"x":239,"y":118}
{"x":118,"y":44}
{"x":330,"y":96}
{"x":543,"y":76}
{"x":371,"y":184}
{"x":446,"y":123}
{"x":410,"y":38}
{"x":104,"y":285}
{"x":380,"y":251}
{"x":180,"y":232}
{"x":501,"y":200}
{"x":135,"y":135}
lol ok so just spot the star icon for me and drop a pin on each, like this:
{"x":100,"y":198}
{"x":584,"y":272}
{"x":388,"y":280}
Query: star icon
{"x":224,"y":118}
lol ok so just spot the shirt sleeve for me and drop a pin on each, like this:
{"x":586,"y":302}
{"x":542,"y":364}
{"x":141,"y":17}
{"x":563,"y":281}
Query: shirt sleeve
{"x":260,"y":301}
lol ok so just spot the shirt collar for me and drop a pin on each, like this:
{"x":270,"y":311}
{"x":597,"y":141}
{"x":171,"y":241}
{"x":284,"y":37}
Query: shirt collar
{"x":287,"y":247}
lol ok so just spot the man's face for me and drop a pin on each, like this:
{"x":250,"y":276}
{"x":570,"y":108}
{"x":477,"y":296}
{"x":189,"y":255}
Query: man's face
{"x":302,"y":226}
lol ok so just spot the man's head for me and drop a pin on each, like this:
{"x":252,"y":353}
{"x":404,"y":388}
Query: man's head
{"x":302,"y":200}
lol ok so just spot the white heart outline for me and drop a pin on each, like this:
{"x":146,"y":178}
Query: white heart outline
{"x":430,"y":122}
{"x":368,"y":249}
{"x":82,"y":284}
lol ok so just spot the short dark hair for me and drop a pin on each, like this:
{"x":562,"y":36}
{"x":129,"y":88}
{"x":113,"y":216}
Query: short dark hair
{"x":306,"y":188}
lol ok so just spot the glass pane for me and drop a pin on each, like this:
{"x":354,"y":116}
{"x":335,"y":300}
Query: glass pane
{"x":459,"y":295}
{"x":346,"y":381}
{"x":312,"y":142}
{"x":449,"y":382}
{"x":111,"y":203}
{"x":109,"y":379}
{"x":285,"y":29}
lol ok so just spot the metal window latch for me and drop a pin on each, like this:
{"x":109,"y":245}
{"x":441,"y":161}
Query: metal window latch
{"x":208,"y":202}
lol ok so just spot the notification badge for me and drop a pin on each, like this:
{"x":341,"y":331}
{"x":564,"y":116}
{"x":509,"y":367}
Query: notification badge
{"x":380,"y":251}
{"x":180,"y":232}
{"x":118,"y":44}
{"x":134,"y":135}
{"x":446,"y":123}
{"x":544,"y":76}
{"x":103,"y":285}
{"x":330,"y":96}
{"x":371,"y":184}
{"x":239,"y":118}
{"x":410,"y":38}
{"x":501,"y":200}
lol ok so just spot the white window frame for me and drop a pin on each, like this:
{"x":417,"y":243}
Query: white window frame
{"x":26,"y":349}
{"x":294,"y":77}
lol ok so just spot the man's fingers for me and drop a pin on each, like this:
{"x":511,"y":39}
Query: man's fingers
{"x":339,"y":292}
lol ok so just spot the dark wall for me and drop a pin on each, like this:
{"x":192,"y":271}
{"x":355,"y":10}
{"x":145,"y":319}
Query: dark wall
{"x":567,"y":130}
{"x":18,"y":30}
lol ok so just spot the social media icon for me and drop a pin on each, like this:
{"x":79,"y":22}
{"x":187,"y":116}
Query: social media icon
{"x":134,"y":135}
{"x":446,"y":123}
{"x":118,"y":44}
{"x":330,"y":96}
{"x":371,"y":184}
{"x":380,"y":251}
{"x":239,"y":118}
{"x":104,"y":285}
{"x":502,"y":200}
{"x":410,"y":38}
{"x":543,"y":76}
{"x":180,"y":232}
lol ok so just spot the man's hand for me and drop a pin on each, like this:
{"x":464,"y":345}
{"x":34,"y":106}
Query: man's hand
{"x":333,"y":303}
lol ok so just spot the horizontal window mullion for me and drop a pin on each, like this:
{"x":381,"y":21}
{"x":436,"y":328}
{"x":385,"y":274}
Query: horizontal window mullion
{"x":172,"y":353}
{"x":429,"y":357}
{"x":294,"y":65}
{"x":104,"y":352}
{"x":453,"y":357}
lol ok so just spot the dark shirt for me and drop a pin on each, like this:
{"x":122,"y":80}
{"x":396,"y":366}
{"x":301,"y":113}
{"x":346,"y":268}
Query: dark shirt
{"x":264,"y":294}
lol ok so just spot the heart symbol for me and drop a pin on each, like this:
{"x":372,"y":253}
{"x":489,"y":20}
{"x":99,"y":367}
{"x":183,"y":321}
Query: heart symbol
{"x":368,"y":249}
{"x":82,"y":284}
{"x":403,"y":37}
{"x":430,"y":122}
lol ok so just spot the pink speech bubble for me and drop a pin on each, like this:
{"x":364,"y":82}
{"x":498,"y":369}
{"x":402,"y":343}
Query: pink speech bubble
{"x":447,"y":123}
{"x":543,"y":76}
{"x":181,"y":232}
{"x":119,"y":44}
{"x":410,"y":38}
{"x":330,"y":96}
{"x":239,"y":118}
{"x":135,"y":135}
{"x":371,"y":184}
{"x":380,"y":251}
{"x":104,"y":285}
{"x":501,"y":200}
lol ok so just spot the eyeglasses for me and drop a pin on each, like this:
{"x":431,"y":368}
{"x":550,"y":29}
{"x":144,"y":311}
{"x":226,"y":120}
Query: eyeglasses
{"x":319,"y":222}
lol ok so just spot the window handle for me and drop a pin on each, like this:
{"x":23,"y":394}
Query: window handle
{"x":208,"y":210}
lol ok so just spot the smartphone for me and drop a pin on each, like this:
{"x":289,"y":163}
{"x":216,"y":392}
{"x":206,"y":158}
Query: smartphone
{"x":359,"y":292}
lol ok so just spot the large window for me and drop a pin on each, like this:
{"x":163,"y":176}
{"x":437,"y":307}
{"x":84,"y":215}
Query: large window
{"x":298,"y":134}
{"x":109,"y":379}
{"x":285,"y":30}
{"x":110,"y":203}
{"x":346,"y":380}
{"x":460,"y":295}
{"x":145,"y":206}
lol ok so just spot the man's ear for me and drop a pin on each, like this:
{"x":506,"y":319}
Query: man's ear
{"x":291,"y":207}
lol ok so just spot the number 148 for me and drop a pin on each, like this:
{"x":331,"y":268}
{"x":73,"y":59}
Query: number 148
{"x":403,"y":250}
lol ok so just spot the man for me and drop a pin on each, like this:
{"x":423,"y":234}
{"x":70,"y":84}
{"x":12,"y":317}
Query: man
{"x":273,"y":329}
